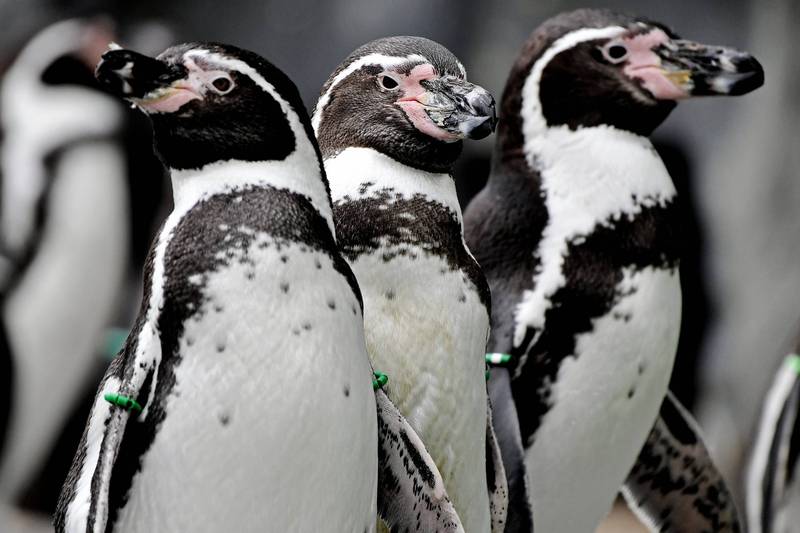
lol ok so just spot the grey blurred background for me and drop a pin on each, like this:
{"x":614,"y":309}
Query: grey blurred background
{"x":735,"y":161}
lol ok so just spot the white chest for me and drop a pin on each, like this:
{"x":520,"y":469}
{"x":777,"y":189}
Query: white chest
{"x":426,"y":326}
{"x":590,"y":177}
{"x":605,"y":401}
{"x":272,"y":416}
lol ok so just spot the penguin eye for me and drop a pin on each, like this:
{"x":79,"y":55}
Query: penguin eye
{"x":615,"y":52}
{"x":387,"y":82}
{"x":222,"y":84}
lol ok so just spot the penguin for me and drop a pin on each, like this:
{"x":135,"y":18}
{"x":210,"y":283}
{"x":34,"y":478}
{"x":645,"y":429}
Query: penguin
{"x":390,"y":122}
{"x":578,"y":235}
{"x":64,"y":236}
{"x":243,"y":398}
{"x":772,"y":488}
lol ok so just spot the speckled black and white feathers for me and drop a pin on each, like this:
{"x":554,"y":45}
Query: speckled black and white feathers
{"x":210,"y":237}
{"x":241,"y":286}
{"x":397,"y":225}
{"x":496,"y":478}
{"x":408,"y":479}
{"x":674,"y":485}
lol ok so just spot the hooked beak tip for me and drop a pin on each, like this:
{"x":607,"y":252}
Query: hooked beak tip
{"x":129,"y":74}
{"x":749,"y":78}
{"x":480,"y":127}
{"x":484,"y":118}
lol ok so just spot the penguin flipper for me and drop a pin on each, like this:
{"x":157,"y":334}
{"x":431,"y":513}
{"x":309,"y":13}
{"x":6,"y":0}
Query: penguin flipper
{"x":411,"y":493}
{"x":773,"y":480}
{"x":495,"y":476}
{"x":519,"y":517}
{"x":674,"y":485}
{"x":83,"y":502}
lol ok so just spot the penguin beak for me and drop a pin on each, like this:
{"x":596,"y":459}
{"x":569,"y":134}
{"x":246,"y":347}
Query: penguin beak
{"x":674,"y":69}
{"x":153,"y":85}
{"x":457,"y":108}
{"x":701,"y":70}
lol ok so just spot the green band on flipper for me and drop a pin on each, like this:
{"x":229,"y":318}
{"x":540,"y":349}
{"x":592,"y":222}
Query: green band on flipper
{"x":129,"y":404}
{"x":498,"y":358}
{"x":793,"y":360}
{"x":380,"y":380}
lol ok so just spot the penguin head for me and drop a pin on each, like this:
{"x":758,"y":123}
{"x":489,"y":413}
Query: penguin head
{"x":406,"y":97}
{"x":596,"y":67}
{"x":210,"y":102}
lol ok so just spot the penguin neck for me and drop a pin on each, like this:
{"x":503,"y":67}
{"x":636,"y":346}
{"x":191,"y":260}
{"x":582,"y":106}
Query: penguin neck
{"x":591,"y":165}
{"x":355,"y":170}
{"x":300,"y":173}
{"x":581,"y":166}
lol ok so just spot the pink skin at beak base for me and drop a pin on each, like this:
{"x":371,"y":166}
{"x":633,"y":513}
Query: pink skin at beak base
{"x":175,"y":98}
{"x":645,"y":65}
{"x":412,"y":103}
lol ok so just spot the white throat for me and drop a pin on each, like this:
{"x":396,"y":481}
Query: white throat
{"x":353,"y":168}
{"x":299,"y":172}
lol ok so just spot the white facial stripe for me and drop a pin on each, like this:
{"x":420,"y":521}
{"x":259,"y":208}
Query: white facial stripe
{"x":533,"y":121}
{"x":305,"y":151}
{"x":372,"y":59}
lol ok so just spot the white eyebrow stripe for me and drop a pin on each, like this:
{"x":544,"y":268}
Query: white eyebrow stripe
{"x":533,"y":121}
{"x":370,"y":59}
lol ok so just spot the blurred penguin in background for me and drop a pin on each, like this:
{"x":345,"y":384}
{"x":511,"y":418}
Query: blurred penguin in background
{"x":773,"y":478}
{"x":70,"y":229}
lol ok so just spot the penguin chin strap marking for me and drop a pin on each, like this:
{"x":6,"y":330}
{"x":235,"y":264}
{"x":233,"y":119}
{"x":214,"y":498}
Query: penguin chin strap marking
{"x":127,"y":403}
